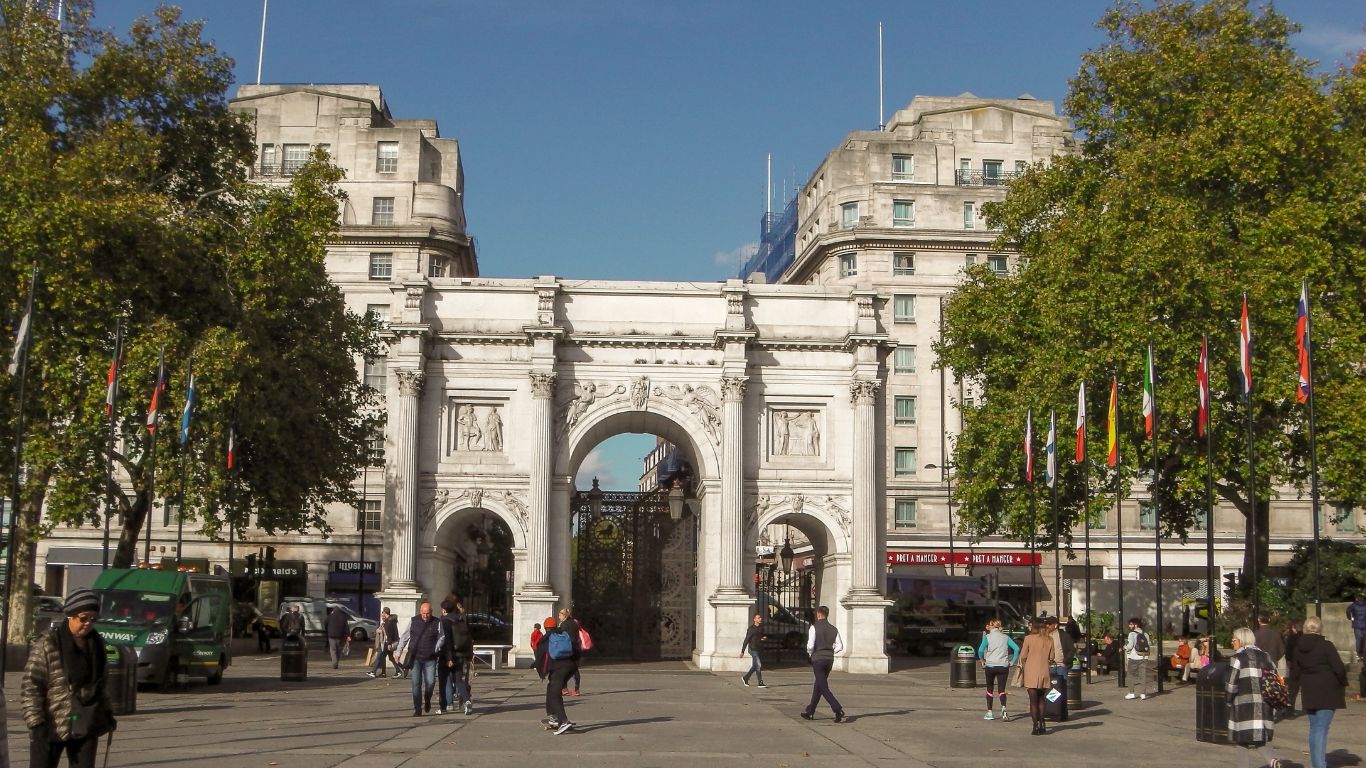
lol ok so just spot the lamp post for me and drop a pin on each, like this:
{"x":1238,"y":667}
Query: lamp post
{"x":948,"y":486}
{"x":595,"y":499}
{"x":785,"y":555}
{"x":676,"y":500}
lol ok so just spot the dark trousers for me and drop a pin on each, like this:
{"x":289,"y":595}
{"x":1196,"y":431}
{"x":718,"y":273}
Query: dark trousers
{"x":444,"y":675}
{"x":48,"y":754}
{"x":820,"y":686}
{"x":554,"y":699}
{"x":262,"y":639}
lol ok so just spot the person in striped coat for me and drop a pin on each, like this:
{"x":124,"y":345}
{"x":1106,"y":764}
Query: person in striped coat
{"x":1251,"y":721}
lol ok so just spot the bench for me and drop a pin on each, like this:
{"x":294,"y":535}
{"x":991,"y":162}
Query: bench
{"x":491,"y":654}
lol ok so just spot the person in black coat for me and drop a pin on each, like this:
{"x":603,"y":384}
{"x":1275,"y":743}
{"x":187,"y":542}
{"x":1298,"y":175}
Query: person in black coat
{"x":1323,"y":685}
{"x":556,"y":672}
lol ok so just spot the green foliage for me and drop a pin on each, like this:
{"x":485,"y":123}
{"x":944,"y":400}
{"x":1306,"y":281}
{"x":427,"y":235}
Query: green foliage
{"x":1214,"y":162}
{"x":1342,"y":574}
{"x":125,"y":182}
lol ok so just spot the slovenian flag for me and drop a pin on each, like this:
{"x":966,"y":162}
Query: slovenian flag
{"x":1202,"y":381}
{"x":1081,"y":423}
{"x":1029,"y":446}
{"x":1245,"y":349}
{"x":158,"y":392}
{"x":1112,"y":428}
{"x":1149,"y":401}
{"x":1051,"y":450}
{"x":188,"y":410}
{"x":1302,"y":341}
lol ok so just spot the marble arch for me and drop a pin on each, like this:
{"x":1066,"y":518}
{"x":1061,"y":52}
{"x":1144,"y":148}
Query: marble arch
{"x":500,"y":387}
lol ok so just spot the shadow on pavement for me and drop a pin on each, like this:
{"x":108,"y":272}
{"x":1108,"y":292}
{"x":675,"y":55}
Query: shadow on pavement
{"x":1070,"y":726}
{"x":1082,"y":714}
{"x":174,"y":710}
{"x":888,"y":713}
{"x":619,"y":723}
{"x":1342,"y":756}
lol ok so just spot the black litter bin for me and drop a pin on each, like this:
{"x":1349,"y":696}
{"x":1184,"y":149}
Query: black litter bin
{"x":1057,"y":709}
{"x":121,"y":678}
{"x":1074,"y":683}
{"x":293,"y":659}
{"x":1211,"y":706}
{"x":963,"y":667}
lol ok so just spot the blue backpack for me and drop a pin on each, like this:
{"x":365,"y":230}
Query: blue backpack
{"x":560,"y":646}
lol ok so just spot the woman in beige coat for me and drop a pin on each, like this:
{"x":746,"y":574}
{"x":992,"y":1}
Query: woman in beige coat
{"x":1036,"y":656}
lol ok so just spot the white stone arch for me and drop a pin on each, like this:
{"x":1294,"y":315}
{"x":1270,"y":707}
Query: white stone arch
{"x":784,"y":512}
{"x":437,"y":548}
{"x":492,"y":503}
{"x":662,"y":417}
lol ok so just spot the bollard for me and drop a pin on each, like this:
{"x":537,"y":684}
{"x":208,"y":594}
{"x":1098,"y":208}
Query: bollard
{"x":121,"y":678}
{"x":963,"y":667}
{"x":293,"y":659}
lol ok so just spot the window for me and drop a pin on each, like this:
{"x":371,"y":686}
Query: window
{"x":379,"y":312}
{"x":848,"y":264}
{"x":903,"y":213}
{"x":903,"y":361}
{"x":295,"y":157}
{"x":905,"y":462}
{"x":436,"y":267}
{"x":270,"y":160}
{"x":905,"y":411}
{"x":848,"y":215}
{"x":1147,"y":516}
{"x":903,"y":308}
{"x":169,"y":514}
{"x":1198,"y":522}
{"x":1345,"y":518}
{"x":903,"y":263}
{"x":969,"y":215}
{"x":1101,"y":522}
{"x":964,"y":170}
{"x":970,"y":260}
{"x":997,"y":264}
{"x":386,"y":157}
{"x":905,"y":514}
{"x":382,"y":212}
{"x":991,"y":172}
{"x":903,"y":166}
{"x":381,"y":266}
{"x":375,"y":446}
{"x":370,"y":515}
{"x":376,"y":374}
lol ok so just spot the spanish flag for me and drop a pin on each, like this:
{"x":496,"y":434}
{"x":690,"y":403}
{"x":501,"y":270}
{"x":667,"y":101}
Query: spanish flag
{"x":1112,"y":430}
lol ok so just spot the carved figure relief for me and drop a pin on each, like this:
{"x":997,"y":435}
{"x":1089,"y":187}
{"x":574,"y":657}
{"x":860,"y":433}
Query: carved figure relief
{"x":468,"y":436}
{"x":477,"y":428}
{"x":493,"y":431}
{"x":585,"y":395}
{"x":518,"y":508}
{"x":701,"y":401}
{"x":640,"y":393}
{"x":475,"y":498}
{"x":837,"y":511}
{"x":796,"y":433}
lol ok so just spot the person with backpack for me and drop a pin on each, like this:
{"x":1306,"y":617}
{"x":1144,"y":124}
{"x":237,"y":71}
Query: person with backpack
{"x":1136,"y":649}
{"x":556,"y":662}
{"x":572,"y":626}
{"x":456,"y":654}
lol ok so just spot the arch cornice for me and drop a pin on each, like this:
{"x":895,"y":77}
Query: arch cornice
{"x":447,"y":503}
{"x":831,"y":512}
{"x":662,"y":416}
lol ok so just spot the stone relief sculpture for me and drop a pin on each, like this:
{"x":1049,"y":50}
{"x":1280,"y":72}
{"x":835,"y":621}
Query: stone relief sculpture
{"x":518,"y":508}
{"x":796,"y":433}
{"x":755,"y":513}
{"x":476,"y":432}
{"x":493,"y":431}
{"x":585,"y":395}
{"x":836,"y":510}
{"x":640,"y":393}
{"x":468,"y":436}
{"x":474,"y":497}
{"x":701,"y":401}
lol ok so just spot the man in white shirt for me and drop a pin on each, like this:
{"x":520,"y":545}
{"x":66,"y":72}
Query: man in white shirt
{"x":822,"y":643}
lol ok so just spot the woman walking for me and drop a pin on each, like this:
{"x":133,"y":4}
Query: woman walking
{"x":1036,"y":656}
{"x":1251,"y":721}
{"x":1323,"y":685}
{"x":571,"y":625}
{"x":997,"y":652}
{"x":555,"y":663}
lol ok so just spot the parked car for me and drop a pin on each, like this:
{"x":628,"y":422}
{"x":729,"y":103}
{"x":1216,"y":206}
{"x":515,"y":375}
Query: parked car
{"x":46,"y":611}
{"x":487,"y":629}
{"x":360,"y":628}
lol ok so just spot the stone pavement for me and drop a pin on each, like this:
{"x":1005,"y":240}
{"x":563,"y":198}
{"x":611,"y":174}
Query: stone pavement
{"x":661,"y":714}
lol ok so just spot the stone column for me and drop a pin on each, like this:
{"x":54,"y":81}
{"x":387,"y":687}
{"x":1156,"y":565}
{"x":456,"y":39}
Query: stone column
{"x":538,"y":517}
{"x":732,"y":485}
{"x":864,"y":529}
{"x":402,"y":570}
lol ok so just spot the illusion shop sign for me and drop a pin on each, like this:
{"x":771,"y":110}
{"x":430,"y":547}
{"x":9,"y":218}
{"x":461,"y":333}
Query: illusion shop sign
{"x":960,"y":557}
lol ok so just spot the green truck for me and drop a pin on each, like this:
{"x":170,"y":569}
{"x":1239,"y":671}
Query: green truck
{"x":178,"y":623}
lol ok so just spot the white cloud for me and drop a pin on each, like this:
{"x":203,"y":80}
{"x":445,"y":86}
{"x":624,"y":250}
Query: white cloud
{"x":735,"y":258}
{"x":1334,"y":41}
{"x":596,"y":464}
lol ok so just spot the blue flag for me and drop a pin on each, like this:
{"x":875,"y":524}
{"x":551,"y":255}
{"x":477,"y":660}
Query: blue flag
{"x":189,"y":409}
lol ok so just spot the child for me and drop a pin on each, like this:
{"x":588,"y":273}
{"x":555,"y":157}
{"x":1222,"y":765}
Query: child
{"x":536,"y":635}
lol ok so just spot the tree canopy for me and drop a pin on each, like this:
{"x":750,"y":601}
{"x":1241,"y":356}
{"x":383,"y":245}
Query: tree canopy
{"x":1213,"y":163}
{"x":125,"y":184}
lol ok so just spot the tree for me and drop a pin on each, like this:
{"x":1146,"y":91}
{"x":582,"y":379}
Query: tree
{"x":126,"y":184}
{"x":1213,"y":163}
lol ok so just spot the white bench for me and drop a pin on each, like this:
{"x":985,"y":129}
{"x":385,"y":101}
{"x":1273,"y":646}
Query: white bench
{"x":491,"y":654}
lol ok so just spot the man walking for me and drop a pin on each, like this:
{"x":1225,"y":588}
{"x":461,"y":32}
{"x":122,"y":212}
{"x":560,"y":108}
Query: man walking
{"x":754,"y":634}
{"x":1063,"y":650}
{"x":1269,"y":639}
{"x":423,"y":635}
{"x":336,"y":634}
{"x":1136,"y":647}
{"x":1357,"y":613}
{"x":66,"y":707}
{"x":822,"y":644}
{"x":384,"y":642}
{"x":292,"y":623}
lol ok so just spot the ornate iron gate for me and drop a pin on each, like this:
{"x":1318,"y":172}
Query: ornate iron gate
{"x":635,"y":576}
{"x":786,"y":602}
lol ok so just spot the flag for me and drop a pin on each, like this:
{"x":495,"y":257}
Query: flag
{"x":1029,"y":446}
{"x":1302,"y":341}
{"x":1051,"y":450}
{"x":158,"y":392}
{"x":1112,"y":430}
{"x":1202,"y":381}
{"x":232,"y":445}
{"x":1148,"y":400}
{"x":22,"y":334}
{"x":1245,"y":350}
{"x":189,"y":409}
{"x":1081,"y":422}
{"x":111,"y":390}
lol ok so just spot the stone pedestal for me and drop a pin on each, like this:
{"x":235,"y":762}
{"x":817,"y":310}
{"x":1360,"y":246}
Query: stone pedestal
{"x":530,"y":608}
{"x":865,"y":650}
{"x":732,"y":615}
{"x":403,"y":603}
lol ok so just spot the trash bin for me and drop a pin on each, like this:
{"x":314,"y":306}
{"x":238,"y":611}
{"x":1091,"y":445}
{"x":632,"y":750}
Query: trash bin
{"x":121,"y":678}
{"x":1057,"y":709}
{"x":1211,"y":708}
{"x":1074,"y":683}
{"x":963,"y":667}
{"x":293,"y":659}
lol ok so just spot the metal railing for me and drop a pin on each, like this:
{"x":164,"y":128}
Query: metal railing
{"x":283,"y":168}
{"x":970,"y":178}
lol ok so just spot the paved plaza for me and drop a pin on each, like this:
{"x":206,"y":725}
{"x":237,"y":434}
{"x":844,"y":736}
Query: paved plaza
{"x":661,"y":714}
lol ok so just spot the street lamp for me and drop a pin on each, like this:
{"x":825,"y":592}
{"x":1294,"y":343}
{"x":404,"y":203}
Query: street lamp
{"x":676,"y":501}
{"x":595,"y":499}
{"x":786,"y":554}
{"x":948,"y":484}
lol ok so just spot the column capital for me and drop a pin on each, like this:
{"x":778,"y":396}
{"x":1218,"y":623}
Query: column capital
{"x":542,"y":384}
{"x":864,"y":391}
{"x":410,"y":381}
{"x":733,"y":388}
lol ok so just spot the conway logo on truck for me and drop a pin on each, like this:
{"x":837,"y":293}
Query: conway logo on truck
{"x":115,"y":636}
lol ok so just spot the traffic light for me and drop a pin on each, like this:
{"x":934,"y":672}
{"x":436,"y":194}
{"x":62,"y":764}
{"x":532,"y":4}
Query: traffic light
{"x":251,"y":564}
{"x":1231,"y":583}
{"x":270,"y":561}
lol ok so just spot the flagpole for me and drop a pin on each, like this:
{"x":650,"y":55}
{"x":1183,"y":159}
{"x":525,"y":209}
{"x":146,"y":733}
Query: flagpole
{"x":1157,"y":510}
{"x":152,"y":455}
{"x":113,"y":407}
{"x":20,"y":372}
{"x":1313,"y":442}
{"x":232,"y":475}
{"x":1246,"y":341}
{"x":1207,"y":428}
{"x":185,"y":459}
{"x":364,"y":496}
{"x":1033,"y":515}
{"x":1119,"y":515}
{"x":1052,"y":459}
{"x":1086,"y":519}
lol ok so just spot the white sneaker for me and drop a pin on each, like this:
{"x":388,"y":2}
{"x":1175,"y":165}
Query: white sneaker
{"x":564,"y":728}
{"x":440,"y":711}
{"x":469,"y":707}
{"x":1142,"y":696}
{"x":1131,"y":695}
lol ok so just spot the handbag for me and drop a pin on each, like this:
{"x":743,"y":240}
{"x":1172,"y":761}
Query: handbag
{"x":585,"y":640}
{"x":1274,"y":692}
{"x":82,"y":718}
{"x":1015,"y":677}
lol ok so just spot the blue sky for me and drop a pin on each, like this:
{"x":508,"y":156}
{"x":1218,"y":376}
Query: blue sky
{"x":627,"y":138}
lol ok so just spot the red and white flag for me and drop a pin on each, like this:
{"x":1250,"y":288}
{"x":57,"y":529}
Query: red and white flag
{"x":232,"y":446}
{"x":1202,"y":381}
{"x":1245,"y":349}
{"x":111,"y":390}
{"x":1081,"y":423}
{"x":1029,"y":445}
{"x":158,"y":392}
{"x":1302,"y":344}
